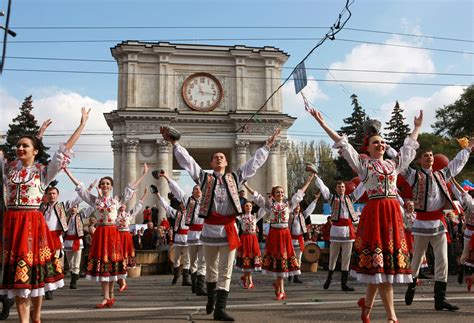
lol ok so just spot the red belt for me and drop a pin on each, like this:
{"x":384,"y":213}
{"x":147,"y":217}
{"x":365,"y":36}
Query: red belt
{"x":434,"y":215}
{"x":182,"y":231}
{"x":56,"y":234}
{"x":346,"y":223}
{"x":228,"y":222}
{"x":300,"y":240}
{"x":76,"y":245}
{"x":196,"y":227}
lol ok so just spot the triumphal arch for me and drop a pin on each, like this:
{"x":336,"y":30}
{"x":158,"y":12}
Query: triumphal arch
{"x":206,"y":92}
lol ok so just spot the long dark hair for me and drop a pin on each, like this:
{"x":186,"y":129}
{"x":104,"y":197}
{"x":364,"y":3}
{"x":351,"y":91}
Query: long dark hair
{"x":37,"y":144}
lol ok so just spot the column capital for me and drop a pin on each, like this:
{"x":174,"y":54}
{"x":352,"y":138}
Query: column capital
{"x":131,"y":144}
{"x":116,"y":146}
{"x":163,"y":146}
{"x":284,"y":146}
{"x":242,"y":145}
{"x":275,"y":148}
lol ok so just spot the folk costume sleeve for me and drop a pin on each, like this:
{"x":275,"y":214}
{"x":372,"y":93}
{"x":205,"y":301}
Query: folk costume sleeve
{"x":456,"y":165}
{"x":358,"y":192}
{"x":250,"y":168}
{"x":407,"y":154}
{"x":296,"y":199}
{"x":177,"y":191}
{"x":309,"y":210}
{"x":169,"y":210}
{"x":260,"y":214}
{"x":136,"y":209}
{"x":188,"y":163}
{"x":323,"y":188}
{"x":60,"y":160}
{"x":85,"y":195}
{"x":127,"y":193}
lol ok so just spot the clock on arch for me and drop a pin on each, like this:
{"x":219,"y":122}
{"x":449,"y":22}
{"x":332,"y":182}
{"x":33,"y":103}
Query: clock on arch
{"x":202,"y":92}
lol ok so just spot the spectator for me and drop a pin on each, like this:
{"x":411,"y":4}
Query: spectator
{"x":242,"y":198}
{"x":150,"y":237}
{"x":162,"y":239}
{"x":154,"y":215}
{"x":137,"y":240}
{"x":146,"y":215}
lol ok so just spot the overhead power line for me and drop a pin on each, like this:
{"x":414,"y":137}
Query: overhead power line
{"x":284,"y":67}
{"x":236,"y":27}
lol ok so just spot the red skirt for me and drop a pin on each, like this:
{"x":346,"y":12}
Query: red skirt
{"x":128,"y":250}
{"x":410,"y":240}
{"x":106,"y":262}
{"x":249,"y":256}
{"x":279,"y":258}
{"x":380,"y":249}
{"x":30,"y":266}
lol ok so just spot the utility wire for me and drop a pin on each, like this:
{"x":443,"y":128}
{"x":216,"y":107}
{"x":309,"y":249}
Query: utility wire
{"x":283,"y":67}
{"x":235,"y":27}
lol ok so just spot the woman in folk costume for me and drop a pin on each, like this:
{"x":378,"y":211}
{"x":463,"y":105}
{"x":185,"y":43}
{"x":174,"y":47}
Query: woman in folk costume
{"x":124,"y":219}
{"x":30,"y":268}
{"x":249,"y":256}
{"x":279,"y":258}
{"x":106,"y":263}
{"x":467,"y":257}
{"x":381,"y":256}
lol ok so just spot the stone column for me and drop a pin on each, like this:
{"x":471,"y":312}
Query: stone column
{"x":164,"y":151}
{"x":117,"y":149}
{"x":284,"y":171}
{"x":131,"y":148}
{"x":272,"y":167}
{"x":241,"y":148}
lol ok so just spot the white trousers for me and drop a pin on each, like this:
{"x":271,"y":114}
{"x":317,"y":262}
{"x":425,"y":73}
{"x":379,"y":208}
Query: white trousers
{"x":334,"y":248}
{"x":298,"y":254}
{"x":74,"y":260}
{"x":219,"y":265}
{"x":196,"y":255}
{"x":440,"y":250}
{"x":181,"y":252}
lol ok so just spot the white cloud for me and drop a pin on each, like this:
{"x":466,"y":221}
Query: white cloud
{"x":293,"y":103}
{"x":413,"y":105}
{"x":384,"y":58}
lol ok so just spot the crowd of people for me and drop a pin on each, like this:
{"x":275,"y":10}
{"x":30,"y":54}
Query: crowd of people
{"x":216,"y":227}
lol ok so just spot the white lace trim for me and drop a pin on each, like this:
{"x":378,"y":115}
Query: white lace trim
{"x":383,"y":278}
{"x":283,"y":274}
{"x":106,"y":278}
{"x":25,"y":293}
{"x":249,"y":270}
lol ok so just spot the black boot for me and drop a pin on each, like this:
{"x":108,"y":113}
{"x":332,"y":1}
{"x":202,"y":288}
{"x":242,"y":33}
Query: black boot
{"x":74,"y":278}
{"x":49,"y":295}
{"x":186,"y":281}
{"x":176,"y":274}
{"x":461,"y":274}
{"x":289,"y":279}
{"x":440,"y":297}
{"x":296,"y":279}
{"x":328,"y":280}
{"x":344,"y":286}
{"x":410,"y":293}
{"x":193,"y":282}
{"x":7,"y":304}
{"x":221,"y":302}
{"x":200,"y":291}
{"x":211,"y":297}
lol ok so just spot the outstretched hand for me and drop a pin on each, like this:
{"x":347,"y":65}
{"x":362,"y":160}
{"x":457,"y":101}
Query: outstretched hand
{"x":43,"y":128}
{"x":85,"y":115}
{"x":317,"y":115}
{"x":272,"y":138}
{"x":418,"y":121}
{"x":145,"y":168}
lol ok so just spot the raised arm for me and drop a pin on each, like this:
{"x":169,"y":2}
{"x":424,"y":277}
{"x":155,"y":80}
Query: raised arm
{"x":309,"y":210}
{"x":417,"y":121}
{"x":71,"y":177}
{"x":77,"y":133}
{"x":358,"y":192}
{"x":308,"y":181}
{"x":139,"y":206}
{"x":174,"y":187}
{"x":169,"y":210}
{"x":43,"y":128}
{"x":319,"y":118}
{"x":83,"y":192}
{"x":145,"y":170}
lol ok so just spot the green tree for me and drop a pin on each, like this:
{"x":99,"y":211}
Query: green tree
{"x":23,"y":124}
{"x":397,"y":129}
{"x":353,"y":129}
{"x":457,"y":119}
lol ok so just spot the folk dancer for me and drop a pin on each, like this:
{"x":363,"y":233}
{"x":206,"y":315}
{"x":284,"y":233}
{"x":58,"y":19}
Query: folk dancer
{"x":380,"y":256}
{"x":29,"y":247}
{"x":430,"y":195}
{"x":106,"y":263}
{"x":219,"y":207}
{"x":279,"y":258}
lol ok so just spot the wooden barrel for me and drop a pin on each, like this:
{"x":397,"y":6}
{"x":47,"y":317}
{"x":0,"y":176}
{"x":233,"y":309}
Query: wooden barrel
{"x":134,"y":271}
{"x":311,"y":252}
{"x":309,"y":267}
{"x":171,"y":255}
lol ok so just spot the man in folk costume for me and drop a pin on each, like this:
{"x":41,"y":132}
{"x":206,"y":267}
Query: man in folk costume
{"x":298,"y":229}
{"x":73,"y":243}
{"x":55,"y":215}
{"x":342,"y":234}
{"x":219,"y":207}
{"x":431,"y":195}
{"x":180,"y":229}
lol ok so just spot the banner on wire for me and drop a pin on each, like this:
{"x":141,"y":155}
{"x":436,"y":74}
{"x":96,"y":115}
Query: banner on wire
{"x":299,"y":76}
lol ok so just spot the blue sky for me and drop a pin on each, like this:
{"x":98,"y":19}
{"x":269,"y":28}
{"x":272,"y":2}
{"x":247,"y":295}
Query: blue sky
{"x":60,"y":95}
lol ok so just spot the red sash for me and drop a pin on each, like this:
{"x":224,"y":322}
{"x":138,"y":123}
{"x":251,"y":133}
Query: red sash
{"x":76,"y":245}
{"x":182,"y":231}
{"x":300,"y":240}
{"x":346,"y":223}
{"x":229,"y":225}
{"x":434,"y":215}
{"x":196,"y":227}
{"x":56,"y":234}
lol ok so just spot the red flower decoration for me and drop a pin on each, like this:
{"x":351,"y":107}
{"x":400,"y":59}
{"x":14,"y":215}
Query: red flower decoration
{"x":37,"y":176}
{"x":23,"y":173}
{"x":108,"y":209}
{"x":24,"y":199}
{"x":24,"y":187}
{"x":381,"y":177}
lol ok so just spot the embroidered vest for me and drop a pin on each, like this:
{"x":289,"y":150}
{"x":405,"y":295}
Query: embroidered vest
{"x":123,"y":221}
{"x":279,"y":212}
{"x":249,"y":224}
{"x":420,"y":189}
{"x":208,"y":191}
{"x":23,"y":187}
{"x":77,"y":218}
{"x":180,"y":217}
{"x":301,"y":222}
{"x":60,"y":211}
{"x":190,"y":210}
{"x":381,"y":179}
{"x":336,"y":207}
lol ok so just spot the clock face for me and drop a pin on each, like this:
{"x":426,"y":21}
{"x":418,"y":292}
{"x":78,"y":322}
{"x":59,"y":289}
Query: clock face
{"x":202,"y":92}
